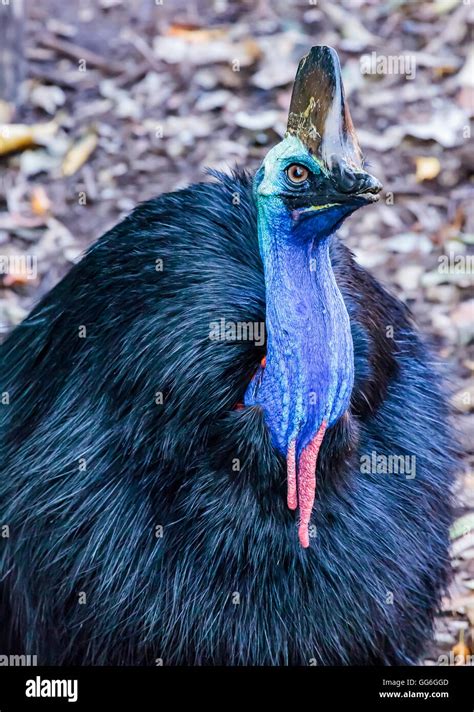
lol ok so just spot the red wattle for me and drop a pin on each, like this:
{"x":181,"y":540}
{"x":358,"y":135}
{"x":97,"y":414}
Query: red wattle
{"x":307,"y":483}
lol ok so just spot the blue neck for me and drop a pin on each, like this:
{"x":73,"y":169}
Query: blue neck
{"x":309,"y":370}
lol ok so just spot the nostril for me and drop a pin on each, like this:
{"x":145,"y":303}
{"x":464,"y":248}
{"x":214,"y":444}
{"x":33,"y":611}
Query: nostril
{"x":355,"y":182}
{"x":369,"y":184}
{"x":347,"y":180}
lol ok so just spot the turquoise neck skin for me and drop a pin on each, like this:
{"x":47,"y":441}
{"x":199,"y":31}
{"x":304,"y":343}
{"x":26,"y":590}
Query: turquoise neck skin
{"x":309,"y":372}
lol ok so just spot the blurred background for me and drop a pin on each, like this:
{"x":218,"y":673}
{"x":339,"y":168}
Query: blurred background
{"x":107,"y":103}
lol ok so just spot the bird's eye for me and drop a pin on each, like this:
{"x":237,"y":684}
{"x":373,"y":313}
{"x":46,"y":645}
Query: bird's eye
{"x":297,"y":173}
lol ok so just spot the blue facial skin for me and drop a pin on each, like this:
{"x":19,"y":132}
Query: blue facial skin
{"x":309,"y":371}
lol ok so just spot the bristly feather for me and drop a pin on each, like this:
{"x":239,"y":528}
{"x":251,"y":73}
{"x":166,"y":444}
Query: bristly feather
{"x":91,"y":465}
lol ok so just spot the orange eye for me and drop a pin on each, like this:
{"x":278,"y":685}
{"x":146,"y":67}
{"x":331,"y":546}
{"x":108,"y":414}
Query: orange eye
{"x":297,"y":173}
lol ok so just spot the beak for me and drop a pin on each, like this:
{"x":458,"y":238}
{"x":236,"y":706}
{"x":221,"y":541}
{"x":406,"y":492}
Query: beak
{"x":353,"y":183}
{"x":320,"y":117}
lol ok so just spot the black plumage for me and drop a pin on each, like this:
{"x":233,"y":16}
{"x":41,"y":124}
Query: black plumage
{"x":183,"y":556}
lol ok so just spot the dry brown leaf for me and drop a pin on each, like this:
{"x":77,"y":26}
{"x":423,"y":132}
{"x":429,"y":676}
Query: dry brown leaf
{"x":463,"y":544}
{"x":444,"y":6}
{"x":6,"y":112}
{"x":457,"y":603}
{"x":13,"y":279}
{"x":463,"y":319}
{"x":195,"y":34}
{"x":16,"y":137}
{"x":427,"y":168}
{"x":195,"y":48}
{"x":461,"y":650}
{"x":78,"y":154}
{"x":39,"y":201}
{"x":465,"y":524}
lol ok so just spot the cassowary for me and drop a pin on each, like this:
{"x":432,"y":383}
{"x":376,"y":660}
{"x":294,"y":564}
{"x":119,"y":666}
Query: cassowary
{"x":158,"y":496}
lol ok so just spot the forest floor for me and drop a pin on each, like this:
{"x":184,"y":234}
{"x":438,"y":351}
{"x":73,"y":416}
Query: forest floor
{"x":140,"y":97}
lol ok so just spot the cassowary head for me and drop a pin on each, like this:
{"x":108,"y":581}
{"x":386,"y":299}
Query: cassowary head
{"x":305,"y":188}
{"x":316,"y":173}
